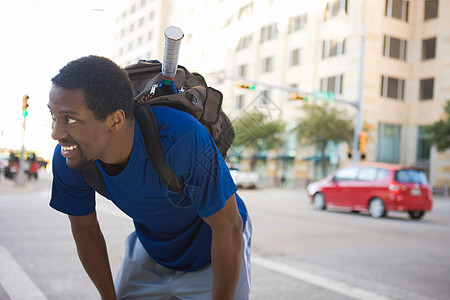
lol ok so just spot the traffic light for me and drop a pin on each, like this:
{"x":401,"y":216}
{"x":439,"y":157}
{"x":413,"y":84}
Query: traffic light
{"x":295,"y":96}
{"x":246,"y":86}
{"x":362,"y":137}
{"x":25,"y":105}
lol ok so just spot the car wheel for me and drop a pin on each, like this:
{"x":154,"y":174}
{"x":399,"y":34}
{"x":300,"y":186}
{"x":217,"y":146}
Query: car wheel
{"x":416,"y":214}
{"x":319,"y":201}
{"x":376,"y":208}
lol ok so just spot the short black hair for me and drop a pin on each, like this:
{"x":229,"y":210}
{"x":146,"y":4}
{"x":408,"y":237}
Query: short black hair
{"x":106,"y":85}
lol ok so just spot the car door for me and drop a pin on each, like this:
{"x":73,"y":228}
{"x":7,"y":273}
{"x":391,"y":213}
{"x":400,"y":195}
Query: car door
{"x":340,"y":188}
{"x":359,"y":189}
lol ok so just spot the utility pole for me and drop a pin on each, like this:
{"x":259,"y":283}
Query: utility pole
{"x":358,"y":118}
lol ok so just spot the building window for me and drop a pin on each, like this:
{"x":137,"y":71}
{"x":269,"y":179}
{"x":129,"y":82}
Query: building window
{"x":332,"y":48}
{"x":429,"y":48}
{"x":245,"y":42}
{"x":242,"y":71}
{"x":388,"y":147}
{"x":151,"y":16}
{"x":333,"y":8}
{"x":240,"y":101}
{"x":269,"y":32}
{"x":423,"y":148}
{"x":392,"y":87}
{"x":426,"y":89}
{"x":267,"y":65}
{"x":332,"y":84}
{"x":394,"y":47}
{"x":150,"y":35}
{"x":297,"y":23}
{"x":431,"y":9}
{"x":397,"y":9}
{"x":294,"y":57}
{"x":265,"y":98}
{"x":141,"y":22}
{"x":245,"y":11}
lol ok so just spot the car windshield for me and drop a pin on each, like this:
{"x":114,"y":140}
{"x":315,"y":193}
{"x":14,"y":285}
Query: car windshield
{"x":411,"y":176}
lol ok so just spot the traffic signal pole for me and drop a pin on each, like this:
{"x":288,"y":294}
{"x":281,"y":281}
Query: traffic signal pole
{"x":20,"y":179}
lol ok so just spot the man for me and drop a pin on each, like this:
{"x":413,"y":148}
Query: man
{"x":193,"y":245}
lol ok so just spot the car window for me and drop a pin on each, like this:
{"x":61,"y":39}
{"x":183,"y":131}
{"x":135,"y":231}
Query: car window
{"x":411,"y":176}
{"x":381,"y":174}
{"x":367,"y":173}
{"x":346,"y":174}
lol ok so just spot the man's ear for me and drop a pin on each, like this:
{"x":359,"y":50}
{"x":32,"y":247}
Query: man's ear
{"x":117,"y":120}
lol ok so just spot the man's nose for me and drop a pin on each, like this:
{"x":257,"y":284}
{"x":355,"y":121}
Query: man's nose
{"x":58,"y":131}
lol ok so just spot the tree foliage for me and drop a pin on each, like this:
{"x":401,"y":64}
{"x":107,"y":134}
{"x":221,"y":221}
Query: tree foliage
{"x":254,"y":130}
{"x":439,"y":132}
{"x":321,"y":124}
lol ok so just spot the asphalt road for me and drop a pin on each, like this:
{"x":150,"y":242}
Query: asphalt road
{"x":297,"y":253}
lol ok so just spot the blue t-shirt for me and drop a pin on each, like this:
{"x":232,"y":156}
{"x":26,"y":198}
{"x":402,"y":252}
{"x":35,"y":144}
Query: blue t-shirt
{"x":168,"y":224}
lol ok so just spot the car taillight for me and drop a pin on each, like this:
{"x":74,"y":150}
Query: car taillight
{"x":394,"y":188}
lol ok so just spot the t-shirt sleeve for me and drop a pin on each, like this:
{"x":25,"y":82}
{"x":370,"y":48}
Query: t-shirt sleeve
{"x":70,"y":192}
{"x":198,"y":162}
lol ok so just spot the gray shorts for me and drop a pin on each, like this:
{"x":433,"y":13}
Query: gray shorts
{"x":140,"y":277}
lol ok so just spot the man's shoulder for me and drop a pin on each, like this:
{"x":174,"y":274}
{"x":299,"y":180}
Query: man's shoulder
{"x":176,"y":121}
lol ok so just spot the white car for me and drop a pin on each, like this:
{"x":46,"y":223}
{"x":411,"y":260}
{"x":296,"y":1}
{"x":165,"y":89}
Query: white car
{"x":244,"y":179}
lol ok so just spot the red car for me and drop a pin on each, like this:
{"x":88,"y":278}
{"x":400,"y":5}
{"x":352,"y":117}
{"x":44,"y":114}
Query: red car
{"x":376,"y":187}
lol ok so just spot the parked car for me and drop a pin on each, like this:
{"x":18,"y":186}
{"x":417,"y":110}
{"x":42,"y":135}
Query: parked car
{"x":376,"y":187}
{"x":244,"y":179}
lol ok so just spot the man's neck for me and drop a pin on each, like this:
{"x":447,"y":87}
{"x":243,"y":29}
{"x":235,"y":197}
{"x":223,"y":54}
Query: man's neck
{"x":122,"y":144}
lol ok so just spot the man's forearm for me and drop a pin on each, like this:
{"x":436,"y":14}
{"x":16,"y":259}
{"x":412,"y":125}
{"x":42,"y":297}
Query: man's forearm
{"x":91,"y":248}
{"x":226,"y":254}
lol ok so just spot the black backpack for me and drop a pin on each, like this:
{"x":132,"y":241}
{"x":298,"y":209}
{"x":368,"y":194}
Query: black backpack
{"x":194,"y":97}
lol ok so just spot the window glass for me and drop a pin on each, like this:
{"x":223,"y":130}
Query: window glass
{"x":431,"y":9}
{"x":381,"y":174}
{"x":411,"y":176}
{"x":429,"y":48}
{"x":426,"y":89}
{"x":423,"y":148}
{"x":392,"y":87}
{"x":397,"y":9}
{"x":388,"y":146}
{"x":346,"y":174}
{"x":367,"y":173}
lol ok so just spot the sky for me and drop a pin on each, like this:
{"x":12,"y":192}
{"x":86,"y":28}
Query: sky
{"x":38,"y":38}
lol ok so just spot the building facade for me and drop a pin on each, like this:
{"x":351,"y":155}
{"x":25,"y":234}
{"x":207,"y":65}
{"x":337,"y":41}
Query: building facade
{"x":313,"y":47}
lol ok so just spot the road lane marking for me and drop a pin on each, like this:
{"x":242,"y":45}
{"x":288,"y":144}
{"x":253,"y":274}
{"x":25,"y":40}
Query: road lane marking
{"x":15,"y":281}
{"x":326,"y":283}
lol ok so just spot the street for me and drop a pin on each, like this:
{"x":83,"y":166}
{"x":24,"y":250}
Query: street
{"x":297,"y":253}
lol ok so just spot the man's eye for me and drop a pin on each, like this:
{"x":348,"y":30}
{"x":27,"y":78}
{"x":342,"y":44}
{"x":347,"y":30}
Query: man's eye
{"x":69,"y":120}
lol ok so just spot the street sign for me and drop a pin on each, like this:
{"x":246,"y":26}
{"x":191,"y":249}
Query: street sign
{"x":323,"y":95}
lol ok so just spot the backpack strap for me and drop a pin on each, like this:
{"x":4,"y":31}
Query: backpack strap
{"x":93,"y":177}
{"x":144,"y":115}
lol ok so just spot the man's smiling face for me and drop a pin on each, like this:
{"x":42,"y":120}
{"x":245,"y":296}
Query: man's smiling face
{"x":82,"y":137}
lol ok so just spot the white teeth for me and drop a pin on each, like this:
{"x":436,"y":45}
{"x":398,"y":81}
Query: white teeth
{"x":70,"y":148}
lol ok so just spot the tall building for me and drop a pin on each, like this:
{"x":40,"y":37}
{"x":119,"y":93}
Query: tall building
{"x":314,"y":47}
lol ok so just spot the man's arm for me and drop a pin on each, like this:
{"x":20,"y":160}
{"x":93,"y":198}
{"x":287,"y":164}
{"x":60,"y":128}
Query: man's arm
{"x":226,"y":249}
{"x":92,"y":252}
